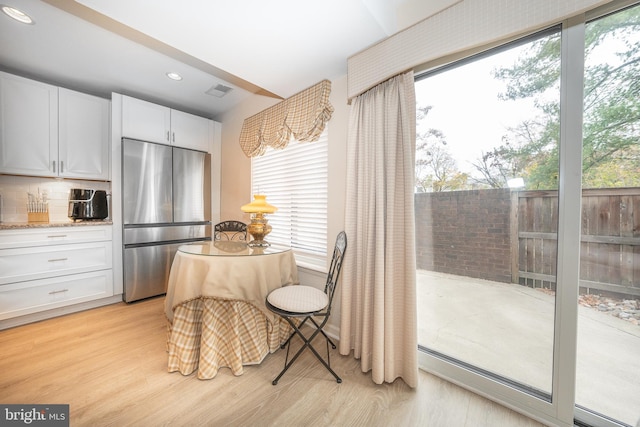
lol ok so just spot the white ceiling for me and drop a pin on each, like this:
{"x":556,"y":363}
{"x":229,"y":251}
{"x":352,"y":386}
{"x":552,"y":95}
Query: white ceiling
{"x":276,"y":48}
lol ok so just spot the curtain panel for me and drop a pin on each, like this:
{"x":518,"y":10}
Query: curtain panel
{"x":378,"y":308}
{"x":301,"y":117}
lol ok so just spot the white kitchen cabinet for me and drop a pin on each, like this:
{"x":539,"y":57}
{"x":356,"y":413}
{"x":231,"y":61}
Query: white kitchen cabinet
{"x":47,"y":236}
{"x":28,"y":126}
{"x":19,"y":299}
{"x":83,"y":129}
{"x":147,"y":121}
{"x":51,"y":131}
{"x":189,"y":131}
{"x":18,"y":265}
{"x":49,"y":268}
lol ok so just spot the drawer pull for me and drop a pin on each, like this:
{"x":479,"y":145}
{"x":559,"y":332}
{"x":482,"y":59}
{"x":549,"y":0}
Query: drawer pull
{"x":58,"y":292}
{"x":58,"y":259}
{"x":57,"y":235}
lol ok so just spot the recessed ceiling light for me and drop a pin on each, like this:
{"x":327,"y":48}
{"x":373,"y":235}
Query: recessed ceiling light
{"x":174,"y":76}
{"x":16,"y":14}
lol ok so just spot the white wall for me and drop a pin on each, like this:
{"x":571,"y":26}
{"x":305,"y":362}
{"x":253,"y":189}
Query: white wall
{"x":338,"y":130}
{"x":235,"y":177}
{"x":236,"y":171}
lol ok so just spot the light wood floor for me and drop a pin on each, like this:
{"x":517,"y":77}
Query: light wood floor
{"x":110,"y":365}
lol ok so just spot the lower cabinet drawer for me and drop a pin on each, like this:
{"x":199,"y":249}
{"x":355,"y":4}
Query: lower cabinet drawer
{"x":18,"y":299}
{"x":18,"y":265}
{"x":51,"y":236}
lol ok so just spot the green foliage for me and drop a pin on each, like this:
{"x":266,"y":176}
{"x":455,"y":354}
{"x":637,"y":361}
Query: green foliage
{"x":611,"y":109}
{"x":533,"y":73}
{"x":611,"y":117}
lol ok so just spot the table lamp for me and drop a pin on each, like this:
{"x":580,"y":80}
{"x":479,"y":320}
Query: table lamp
{"x":259,"y":228}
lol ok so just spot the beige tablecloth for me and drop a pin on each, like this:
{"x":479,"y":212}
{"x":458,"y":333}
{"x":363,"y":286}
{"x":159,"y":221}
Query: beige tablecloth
{"x":216,"y":310}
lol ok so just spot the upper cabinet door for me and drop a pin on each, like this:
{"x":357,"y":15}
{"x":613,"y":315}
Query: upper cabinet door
{"x":190,"y":131}
{"x":84,"y":135}
{"x":28,"y":127}
{"x":145,"y":121}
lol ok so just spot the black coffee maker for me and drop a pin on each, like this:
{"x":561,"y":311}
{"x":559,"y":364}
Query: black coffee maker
{"x":87,"y":204}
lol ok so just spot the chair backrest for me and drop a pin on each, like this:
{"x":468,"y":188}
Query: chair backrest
{"x":230,"y":230}
{"x":336,"y":266}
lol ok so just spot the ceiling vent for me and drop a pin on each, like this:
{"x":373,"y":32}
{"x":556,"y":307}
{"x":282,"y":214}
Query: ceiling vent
{"x":219,"y":90}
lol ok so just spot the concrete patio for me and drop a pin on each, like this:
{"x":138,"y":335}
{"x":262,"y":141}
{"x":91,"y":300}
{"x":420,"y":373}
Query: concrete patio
{"x":508,"y":329}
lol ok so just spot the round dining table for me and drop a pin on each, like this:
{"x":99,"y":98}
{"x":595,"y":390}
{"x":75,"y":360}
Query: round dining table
{"x":215,"y":305}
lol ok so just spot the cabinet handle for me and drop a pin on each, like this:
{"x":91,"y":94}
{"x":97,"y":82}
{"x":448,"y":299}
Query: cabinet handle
{"x":57,"y":235}
{"x":58,"y":292}
{"x":58,"y":259}
{"x":61,"y":166}
{"x":54,"y":166}
{"x":168,"y":139}
{"x":174,"y":137}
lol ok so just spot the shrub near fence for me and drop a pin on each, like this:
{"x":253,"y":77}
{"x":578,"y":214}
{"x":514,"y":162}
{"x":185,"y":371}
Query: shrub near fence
{"x":508,"y":236}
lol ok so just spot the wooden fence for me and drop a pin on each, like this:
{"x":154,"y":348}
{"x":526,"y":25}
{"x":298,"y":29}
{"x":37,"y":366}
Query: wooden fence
{"x":609,"y":247}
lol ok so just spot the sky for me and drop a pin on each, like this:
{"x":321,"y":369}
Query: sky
{"x":466,"y":107}
{"x":465,"y":100}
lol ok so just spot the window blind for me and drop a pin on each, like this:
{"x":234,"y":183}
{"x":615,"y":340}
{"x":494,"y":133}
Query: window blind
{"x":295,"y":181}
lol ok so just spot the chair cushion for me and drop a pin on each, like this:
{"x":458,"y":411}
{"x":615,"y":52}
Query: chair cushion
{"x":298,"y":299}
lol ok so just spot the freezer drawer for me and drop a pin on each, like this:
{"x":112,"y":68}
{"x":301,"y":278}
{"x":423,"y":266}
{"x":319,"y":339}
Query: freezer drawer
{"x":146,"y":270}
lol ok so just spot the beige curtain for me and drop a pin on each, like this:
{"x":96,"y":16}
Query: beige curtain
{"x":301,"y":117}
{"x":378,"y":309}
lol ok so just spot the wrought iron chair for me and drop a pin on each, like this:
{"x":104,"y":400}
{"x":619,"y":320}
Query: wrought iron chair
{"x":230,"y":230}
{"x":298,"y":304}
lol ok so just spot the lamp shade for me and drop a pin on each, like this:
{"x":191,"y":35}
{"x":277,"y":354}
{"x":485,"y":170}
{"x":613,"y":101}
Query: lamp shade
{"x":259,"y":205}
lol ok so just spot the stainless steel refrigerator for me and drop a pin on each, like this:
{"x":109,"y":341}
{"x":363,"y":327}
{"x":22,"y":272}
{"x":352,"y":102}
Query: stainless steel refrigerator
{"x":166,"y":202}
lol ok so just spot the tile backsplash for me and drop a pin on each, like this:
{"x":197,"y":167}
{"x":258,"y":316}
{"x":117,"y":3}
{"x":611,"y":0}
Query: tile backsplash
{"x":14,"y":189}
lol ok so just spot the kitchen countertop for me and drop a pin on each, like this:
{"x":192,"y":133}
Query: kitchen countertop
{"x":19,"y":225}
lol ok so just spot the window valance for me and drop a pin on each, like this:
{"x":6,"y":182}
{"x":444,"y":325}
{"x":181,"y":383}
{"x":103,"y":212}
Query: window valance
{"x":461,"y":26}
{"x":302,"y":117}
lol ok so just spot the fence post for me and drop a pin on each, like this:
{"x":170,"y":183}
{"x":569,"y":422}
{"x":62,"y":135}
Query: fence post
{"x":515,"y":241}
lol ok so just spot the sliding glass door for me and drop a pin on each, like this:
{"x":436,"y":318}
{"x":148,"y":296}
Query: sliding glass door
{"x":486,"y":211}
{"x":528,"y":220}
{"x":608,"y":358}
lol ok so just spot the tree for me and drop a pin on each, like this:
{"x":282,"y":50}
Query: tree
{"x":529,"y":151}
{"x":611,"y":117}
{"x":436,"y":169}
